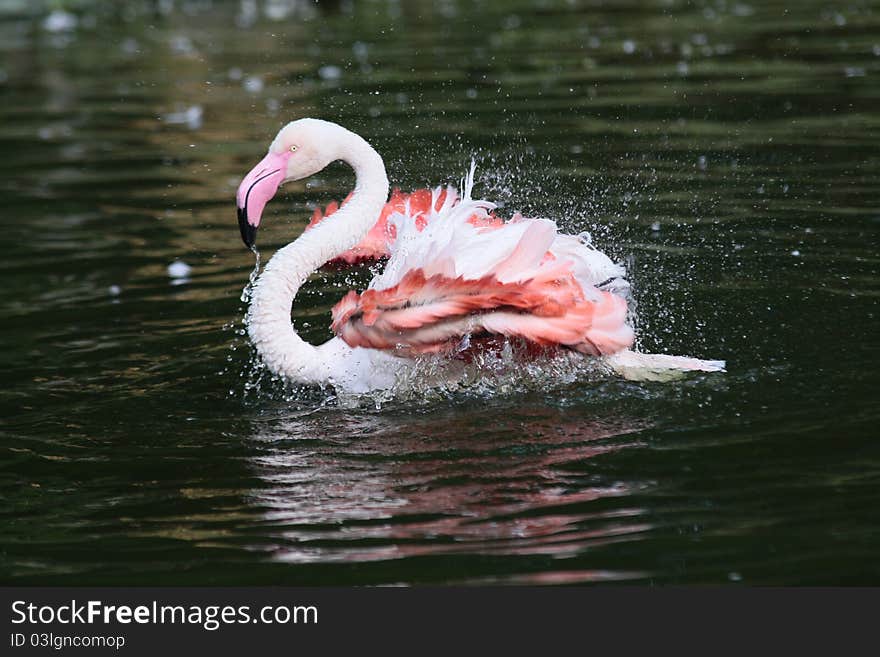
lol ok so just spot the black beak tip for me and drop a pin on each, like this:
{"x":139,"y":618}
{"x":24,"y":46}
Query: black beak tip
{"x":248,"y":232}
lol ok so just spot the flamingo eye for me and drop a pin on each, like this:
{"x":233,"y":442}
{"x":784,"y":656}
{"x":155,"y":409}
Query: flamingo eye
{"x":293,"y":149}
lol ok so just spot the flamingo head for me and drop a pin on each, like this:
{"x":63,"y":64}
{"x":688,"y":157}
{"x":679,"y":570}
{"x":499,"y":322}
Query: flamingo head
{"x":301,"y":149}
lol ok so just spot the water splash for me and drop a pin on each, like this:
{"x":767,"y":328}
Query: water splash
{"x":250,"y":370}
{"x":491,"y":372}
{"x":248,"y":289}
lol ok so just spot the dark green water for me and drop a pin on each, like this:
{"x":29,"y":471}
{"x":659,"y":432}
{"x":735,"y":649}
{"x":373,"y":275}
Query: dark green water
{"x":727,"y":151}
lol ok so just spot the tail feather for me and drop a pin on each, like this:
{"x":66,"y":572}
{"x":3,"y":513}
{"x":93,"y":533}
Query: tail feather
{"x":658,"y":367}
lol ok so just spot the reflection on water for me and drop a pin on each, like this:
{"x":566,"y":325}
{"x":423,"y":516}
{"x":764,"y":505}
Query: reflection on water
{"x":436,"y":485}
{"x":726,"y":151}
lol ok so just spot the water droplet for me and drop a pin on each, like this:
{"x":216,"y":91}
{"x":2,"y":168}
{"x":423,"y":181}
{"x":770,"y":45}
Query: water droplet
{"x":179,"y":270}
{"x":511,"y":22}
{"x":60,"y":21}
{"x":182,"y":45}
{"x":191,"y":117}
{"x":360,"y":49}
{"x":330,"y":72}
{"x":253,"y":84}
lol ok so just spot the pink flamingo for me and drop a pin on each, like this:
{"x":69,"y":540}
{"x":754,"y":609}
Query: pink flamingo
{"x":455,"y":272}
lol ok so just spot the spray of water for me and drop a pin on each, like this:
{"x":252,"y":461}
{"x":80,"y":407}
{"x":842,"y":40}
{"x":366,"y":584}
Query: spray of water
{"x":248,"y":288}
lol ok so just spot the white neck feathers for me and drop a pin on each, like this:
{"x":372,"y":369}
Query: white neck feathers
{"x":269,"y":323}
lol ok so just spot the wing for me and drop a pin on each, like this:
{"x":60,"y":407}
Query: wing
{"x":464,"y":272}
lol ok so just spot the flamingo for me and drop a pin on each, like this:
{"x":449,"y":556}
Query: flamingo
{"x":456,"y":275}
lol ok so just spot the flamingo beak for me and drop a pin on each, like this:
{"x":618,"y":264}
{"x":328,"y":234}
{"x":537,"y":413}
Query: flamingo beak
{"x":255,"y":190}
{"x":248,"y":232}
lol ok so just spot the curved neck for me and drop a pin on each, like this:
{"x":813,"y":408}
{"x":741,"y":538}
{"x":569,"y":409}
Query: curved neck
{"x":268,"y":321}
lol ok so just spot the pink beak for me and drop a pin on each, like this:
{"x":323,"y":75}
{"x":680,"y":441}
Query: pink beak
{"x":254,"y":192}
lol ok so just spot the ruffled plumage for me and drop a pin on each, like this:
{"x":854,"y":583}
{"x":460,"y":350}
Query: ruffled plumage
{"x":459,"y":270}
